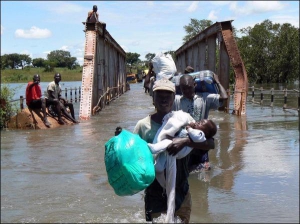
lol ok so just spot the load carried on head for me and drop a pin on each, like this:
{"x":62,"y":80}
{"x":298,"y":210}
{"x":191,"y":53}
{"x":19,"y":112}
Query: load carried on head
{"x":204,"y":80}
{"x":163,"y":66}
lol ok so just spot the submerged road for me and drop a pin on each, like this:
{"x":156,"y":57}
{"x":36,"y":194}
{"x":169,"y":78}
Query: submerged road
{"x":58,"y":175}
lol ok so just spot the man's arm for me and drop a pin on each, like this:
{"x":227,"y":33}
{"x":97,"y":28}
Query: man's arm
{"x":32,"y":84}
{"x":51,"y":94}
{"x":62,"y":99}
{"x":223,"y":93}
{"x":180,"y":143}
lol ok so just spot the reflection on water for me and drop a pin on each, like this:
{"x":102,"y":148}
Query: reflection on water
{"x":58,"y":175}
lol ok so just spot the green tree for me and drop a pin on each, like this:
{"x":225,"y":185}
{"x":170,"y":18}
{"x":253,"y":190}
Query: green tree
{"x":7,"y":109}
{"x":132,"y":58}
{"x":38,"y":62}
{"x":25,"y":60}
{"x":285,"y":48}
{"x":149,"y":56}
{"x":61,"y":58}
{"x":49,"y":66}
{"x":3,"y":62}
{"x":13,"y":60}
{"x":172,"y":53}
{"x":270,"y":52}
{"x":195,"y":27}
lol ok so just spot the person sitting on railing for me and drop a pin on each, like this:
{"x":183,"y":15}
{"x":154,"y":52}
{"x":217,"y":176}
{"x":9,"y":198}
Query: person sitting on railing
{"x":34,"y":99}
{"x":54,"y":93}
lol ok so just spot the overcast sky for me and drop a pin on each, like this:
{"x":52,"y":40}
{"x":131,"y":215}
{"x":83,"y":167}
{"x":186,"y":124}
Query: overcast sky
{"x":38,"y":27}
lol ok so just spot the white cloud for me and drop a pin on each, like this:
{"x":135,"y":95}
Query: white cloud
{"x":124,"y":48}
{"x":65,"y":48}
{"x":78,"y":53}
{"x":150,"y":3}
{"x":256,"y":7}
{"x":193,"y":7}
{"x":135,"y":43}
{"x":26,"y":52}
{"x":66,"y":8}
{"x":33,"y":33}
{"x":285,"y":19}
{"x":80,"y":60}
{"x":220,"y":3}
{"x":212,"y":15}
{"x":46,"y":53}
{"x":2,"y":29}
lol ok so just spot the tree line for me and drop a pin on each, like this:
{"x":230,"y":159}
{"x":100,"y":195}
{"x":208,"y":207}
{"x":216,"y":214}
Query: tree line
{"x":270,"y":51}
{"x":57,"y":58}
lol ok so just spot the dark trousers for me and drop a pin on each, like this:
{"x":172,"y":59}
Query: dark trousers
{"x":196,"y":158}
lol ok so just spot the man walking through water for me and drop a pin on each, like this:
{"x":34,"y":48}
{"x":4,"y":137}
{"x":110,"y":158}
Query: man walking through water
{"x":155,"y":194}
{"x":198,"y":106}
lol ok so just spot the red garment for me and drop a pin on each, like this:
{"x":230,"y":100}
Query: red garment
{"x":33,"y":93}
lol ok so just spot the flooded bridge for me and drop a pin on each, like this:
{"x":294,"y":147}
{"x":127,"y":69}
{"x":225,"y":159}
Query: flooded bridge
{"x":104,"y":68}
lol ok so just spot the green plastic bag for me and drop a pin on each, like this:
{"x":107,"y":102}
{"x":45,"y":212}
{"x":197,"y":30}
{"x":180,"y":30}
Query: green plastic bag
{"x":129,"y":163}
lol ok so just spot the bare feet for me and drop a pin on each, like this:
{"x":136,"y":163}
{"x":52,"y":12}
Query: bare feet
{"x":46,"y":122}
{"x":60,"y":121}
{"x":75,"y":121}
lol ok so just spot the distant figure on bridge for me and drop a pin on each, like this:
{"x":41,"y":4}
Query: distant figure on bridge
{"x":188,"y":69}
{"x":54,"y":94}
{"x":93,"y":16}
{"x":148,"y":82}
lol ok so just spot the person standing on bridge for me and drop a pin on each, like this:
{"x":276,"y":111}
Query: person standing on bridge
{"x":155,"y":194}
{"x":93,"y":16}
{"x":188,"y":69}
{"x":198,"y":106}
{"x":54,"y":93}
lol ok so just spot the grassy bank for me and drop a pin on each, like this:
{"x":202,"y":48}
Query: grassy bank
{"x":25,"y":75}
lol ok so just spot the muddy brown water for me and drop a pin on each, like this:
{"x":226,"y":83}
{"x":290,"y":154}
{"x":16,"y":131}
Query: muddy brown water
{"x":58,"y":175}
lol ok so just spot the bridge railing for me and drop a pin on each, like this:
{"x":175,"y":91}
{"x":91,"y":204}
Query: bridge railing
{"x":109,"y":95}
{"x":215,"y":49}
{"x":67,"y":93}
{"x":270,"y":97}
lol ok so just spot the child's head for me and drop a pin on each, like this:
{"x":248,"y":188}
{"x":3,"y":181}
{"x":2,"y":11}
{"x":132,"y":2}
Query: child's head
{"x":207,"y":126}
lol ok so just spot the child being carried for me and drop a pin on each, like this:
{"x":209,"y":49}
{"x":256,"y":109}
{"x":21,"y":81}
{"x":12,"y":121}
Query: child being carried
{"x":178,"y":124}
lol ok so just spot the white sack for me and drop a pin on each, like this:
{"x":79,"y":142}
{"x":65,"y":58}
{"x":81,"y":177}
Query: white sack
{"x":163,"y":66}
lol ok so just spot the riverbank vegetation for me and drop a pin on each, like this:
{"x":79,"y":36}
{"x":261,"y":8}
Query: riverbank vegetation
{"x":270,"y":52}
{"x":20,"y":67}
{"x":7,"y":108}
{"x":25,"y":75}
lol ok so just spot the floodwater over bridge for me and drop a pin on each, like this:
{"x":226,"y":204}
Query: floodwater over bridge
{"x":104,"y":70}
{"x":59,"y":176}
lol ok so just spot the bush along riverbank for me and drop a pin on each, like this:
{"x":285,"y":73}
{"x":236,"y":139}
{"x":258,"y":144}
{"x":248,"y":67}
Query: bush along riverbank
{"x":26,"y":74}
